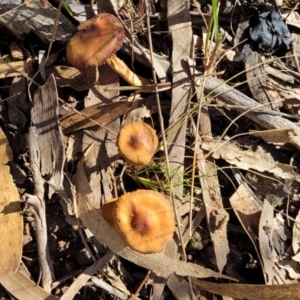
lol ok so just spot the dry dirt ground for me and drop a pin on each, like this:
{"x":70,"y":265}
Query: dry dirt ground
{"x":218,"y":82}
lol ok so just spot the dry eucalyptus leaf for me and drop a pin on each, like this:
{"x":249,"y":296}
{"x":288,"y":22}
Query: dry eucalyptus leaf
{"x":265,"y":233}
{"x":293,"y":18}
{"x":251,"y":291}
{"x":11,"y":221}
{"x":91,"y":218}
{"x":179,"y":287}
{"x":16,"y":68}
{"x":69,"y":76}
{"x":291,"y":267}
{"x":258,"y":79}
{"x":101,"y":114}
{"x":247,"y":159}
{"x":248,"y":212}
{"x":296,"y":235}
{"x":278,"y":136}
{"x":21,"y":287}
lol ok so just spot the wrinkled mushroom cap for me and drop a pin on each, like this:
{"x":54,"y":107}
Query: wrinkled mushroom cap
{"x":96,"y":40}
{"x":137,"y":143}
{"x":145,"y":220}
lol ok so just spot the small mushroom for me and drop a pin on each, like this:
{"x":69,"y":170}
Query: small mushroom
{"x":96,"y":40}
{"x":137,"y":143}
{"x":96,"y":43}
{"x":144,"y":220}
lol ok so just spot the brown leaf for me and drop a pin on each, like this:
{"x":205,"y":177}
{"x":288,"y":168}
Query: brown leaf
{"x":69,"y":76}
{"x":247,"y":159}
{"x":11,"y":221}
{"x":90,"y":116}
{"x":21,"y":287}
{"x":251,"y":291}
{"x":258,"y":81}
{"x":248,"y":213}
{"x":265,"y":234}
{"x":280,"y":136}
{"x":296,"y":234}
{"x":16,"y":68}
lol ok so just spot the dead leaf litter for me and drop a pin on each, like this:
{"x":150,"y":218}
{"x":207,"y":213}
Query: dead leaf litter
{"x":215,"y":92}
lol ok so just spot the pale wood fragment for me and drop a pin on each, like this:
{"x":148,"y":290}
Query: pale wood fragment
{"x":104,"y":151}
{"x":47,"y":159}
{"x":181,"y":31}
{"x":249,"y":108}
{"x":44,"y":115}
{"x":17,"y":68}
{"x":81,"y":280}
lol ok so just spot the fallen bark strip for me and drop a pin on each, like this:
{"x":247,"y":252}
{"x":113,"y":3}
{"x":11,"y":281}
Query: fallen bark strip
{"x":35,"y":17}
{"x":256,"y":112}
{"x":37,"y":203}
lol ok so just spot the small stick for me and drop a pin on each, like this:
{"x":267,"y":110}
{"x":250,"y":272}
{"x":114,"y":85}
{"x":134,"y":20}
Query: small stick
{"x":133,"y":296}
{"x":37,"y":204}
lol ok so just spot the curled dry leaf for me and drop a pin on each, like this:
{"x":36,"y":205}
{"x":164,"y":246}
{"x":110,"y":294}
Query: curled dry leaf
{"x":16,"y":68}
{"x":247,"y":159}
{"x":69,"y":76}
{"x":280,"y":136}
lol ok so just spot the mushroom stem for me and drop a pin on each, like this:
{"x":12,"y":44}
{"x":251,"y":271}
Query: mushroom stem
{"x":122,"y":69}
{"x":107,"y":211}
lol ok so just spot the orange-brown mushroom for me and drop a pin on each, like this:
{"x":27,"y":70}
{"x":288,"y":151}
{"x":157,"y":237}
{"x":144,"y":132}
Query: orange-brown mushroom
{"x":144,"y":220}
{"x":96,"y":40}
{"x":96,"y":43}
{"x":137,"y":143}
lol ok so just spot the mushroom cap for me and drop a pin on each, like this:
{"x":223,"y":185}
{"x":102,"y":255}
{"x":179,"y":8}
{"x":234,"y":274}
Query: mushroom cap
{"x":137,"y":143}
{"x":145,"y":220}
{"x":96,"y":40}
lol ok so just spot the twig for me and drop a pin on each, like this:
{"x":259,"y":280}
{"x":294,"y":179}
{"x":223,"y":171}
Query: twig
{"x":37,"y":203}
{"x":85,"y":276}
{"x":133,"y":296}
